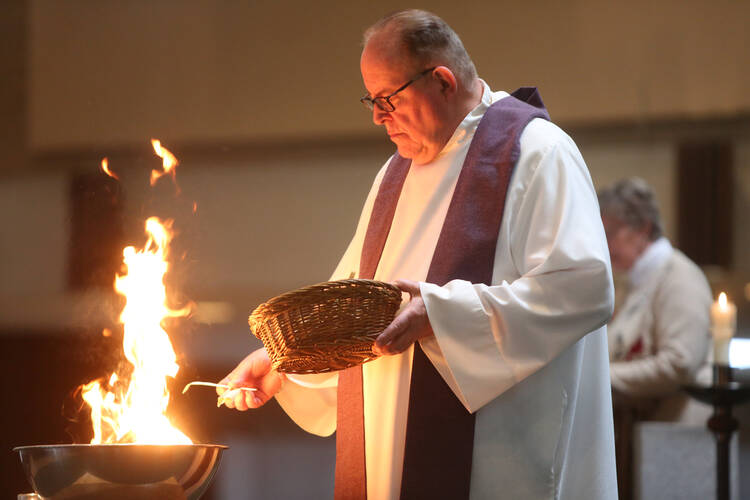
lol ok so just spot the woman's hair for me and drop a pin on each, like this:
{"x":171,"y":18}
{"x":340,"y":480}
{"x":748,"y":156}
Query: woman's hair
{"x":428,"y":41}
{"x":632,"y":201}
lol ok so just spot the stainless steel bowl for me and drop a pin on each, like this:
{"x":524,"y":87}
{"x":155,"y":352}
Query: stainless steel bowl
{"x":120,"y":471}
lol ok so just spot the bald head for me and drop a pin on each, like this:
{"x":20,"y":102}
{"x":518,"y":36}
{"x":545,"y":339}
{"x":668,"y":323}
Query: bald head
{"x":419,"y":39}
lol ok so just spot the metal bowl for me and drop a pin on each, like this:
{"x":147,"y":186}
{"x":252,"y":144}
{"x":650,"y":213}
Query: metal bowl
{"x":120,"y":471}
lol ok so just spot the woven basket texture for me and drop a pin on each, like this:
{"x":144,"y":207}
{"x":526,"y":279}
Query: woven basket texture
{"x":325,"y":327}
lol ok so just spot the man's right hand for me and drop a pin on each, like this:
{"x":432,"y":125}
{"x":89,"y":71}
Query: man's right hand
{"x":253,"y":371}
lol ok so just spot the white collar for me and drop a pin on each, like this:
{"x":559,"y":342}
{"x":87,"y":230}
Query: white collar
{"x":651,"y":260}
{"x":465,"y":130}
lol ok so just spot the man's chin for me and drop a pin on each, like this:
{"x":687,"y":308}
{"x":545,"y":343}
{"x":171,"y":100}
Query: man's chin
{"x":404,"y":150}
{"x":409,"y":150}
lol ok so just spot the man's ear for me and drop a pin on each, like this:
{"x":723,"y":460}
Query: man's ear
{"x":446,"y":79}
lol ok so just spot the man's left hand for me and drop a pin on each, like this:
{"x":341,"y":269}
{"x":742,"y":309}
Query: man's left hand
{"x":410,"y":325}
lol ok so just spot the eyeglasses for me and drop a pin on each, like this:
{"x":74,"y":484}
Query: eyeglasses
{"x":384,"y":103}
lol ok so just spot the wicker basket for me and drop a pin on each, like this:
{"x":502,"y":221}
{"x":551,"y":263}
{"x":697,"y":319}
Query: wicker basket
{"x":325,"y":327}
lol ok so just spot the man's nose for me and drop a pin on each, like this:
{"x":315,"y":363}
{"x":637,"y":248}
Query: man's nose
{"x":379,"y":116}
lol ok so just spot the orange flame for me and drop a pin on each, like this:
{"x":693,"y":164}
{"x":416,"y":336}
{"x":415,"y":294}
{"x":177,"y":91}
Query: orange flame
{"x":131,"y":406}
{"x":136,"y":412}
{"x":169,"y":162}
{"x":106,"y":170}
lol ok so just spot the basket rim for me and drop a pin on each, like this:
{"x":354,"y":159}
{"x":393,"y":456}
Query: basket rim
{"x":333,"y":289}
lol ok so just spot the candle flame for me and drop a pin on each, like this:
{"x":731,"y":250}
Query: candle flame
{"x":723,"y":300}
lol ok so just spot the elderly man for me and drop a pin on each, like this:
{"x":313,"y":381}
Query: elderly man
{"x":493,"y":378}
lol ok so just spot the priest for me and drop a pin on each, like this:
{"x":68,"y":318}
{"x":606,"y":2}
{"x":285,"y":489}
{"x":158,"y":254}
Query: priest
{"x":494,"y":379}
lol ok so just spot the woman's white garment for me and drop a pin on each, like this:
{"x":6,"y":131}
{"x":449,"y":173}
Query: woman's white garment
{"x":517,"y":353}
{"x":666,"y":313}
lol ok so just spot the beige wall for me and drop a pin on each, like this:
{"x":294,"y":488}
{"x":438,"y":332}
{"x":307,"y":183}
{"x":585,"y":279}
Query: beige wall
{"x":654,"y":161}
{"x":277,"y":204}
{"x":106,"y":72}
{"x":35,"y":232}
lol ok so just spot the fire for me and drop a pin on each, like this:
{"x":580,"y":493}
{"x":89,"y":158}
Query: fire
{"x":169,"y":162}
{"x":106,"y":170}
{"x":131,"y":406}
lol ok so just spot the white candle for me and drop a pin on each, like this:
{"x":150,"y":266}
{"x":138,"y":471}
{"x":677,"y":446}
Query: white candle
{"x":723,"y":325}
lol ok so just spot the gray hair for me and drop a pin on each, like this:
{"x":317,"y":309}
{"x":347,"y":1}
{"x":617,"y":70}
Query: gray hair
{"x":633,"y":202}
{"x":428,"y":40}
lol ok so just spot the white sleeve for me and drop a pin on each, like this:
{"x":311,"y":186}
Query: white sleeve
{"x":555,"y":285}
{"x":310,"y":400}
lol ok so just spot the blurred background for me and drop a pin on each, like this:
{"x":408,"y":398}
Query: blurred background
{"x":259,"y":102}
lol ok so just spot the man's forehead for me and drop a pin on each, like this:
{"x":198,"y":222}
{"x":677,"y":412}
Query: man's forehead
{"x":382,"y":67}
{"x":380,"y":72}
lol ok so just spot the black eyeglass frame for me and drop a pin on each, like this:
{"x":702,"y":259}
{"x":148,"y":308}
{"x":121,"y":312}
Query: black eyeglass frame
{"x":384,"y":102}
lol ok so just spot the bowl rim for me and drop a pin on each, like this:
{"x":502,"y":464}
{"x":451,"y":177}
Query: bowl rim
{"x":116,"y":445}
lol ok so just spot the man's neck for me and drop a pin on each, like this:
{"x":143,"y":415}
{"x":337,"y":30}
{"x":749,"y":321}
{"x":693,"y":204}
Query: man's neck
{"x":470,"y":99}
{"x":467,"y":101}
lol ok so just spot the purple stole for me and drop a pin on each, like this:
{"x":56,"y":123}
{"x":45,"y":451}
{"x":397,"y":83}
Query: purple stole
{"x":439,"y":429}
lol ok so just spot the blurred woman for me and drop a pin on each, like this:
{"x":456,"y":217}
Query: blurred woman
{"x":659,"y":336}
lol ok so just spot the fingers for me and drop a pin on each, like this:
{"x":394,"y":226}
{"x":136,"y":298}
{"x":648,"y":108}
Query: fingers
{"x":408,"y":286}
{"x":249,"y":372}
{"x":243,"y":400}
{"x":394,"y":339}
{"x":409,"y":326}
{"x":224,"y":381}
{"x":254,"y":371}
